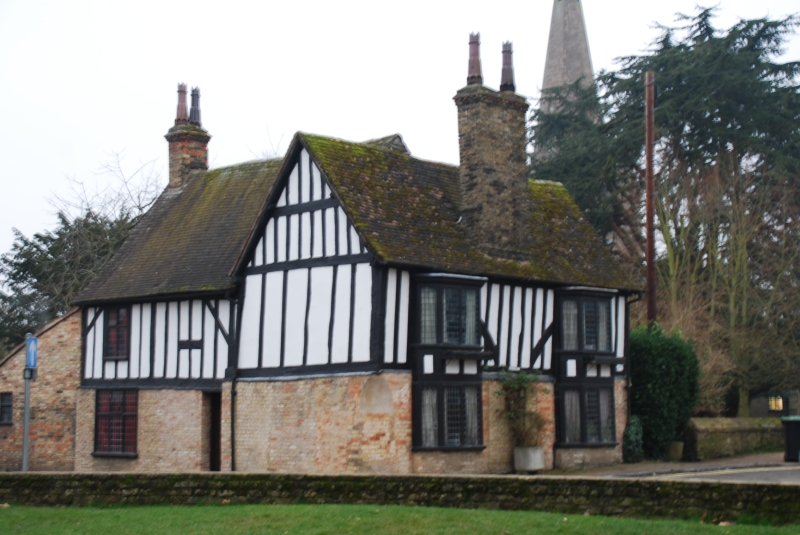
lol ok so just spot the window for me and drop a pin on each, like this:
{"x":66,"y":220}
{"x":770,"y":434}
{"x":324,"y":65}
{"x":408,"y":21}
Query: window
{"x":776,"y":403}
{"x":117,"y":333}
{"x":449,"y":315}
{"x":116,"y":422}
{"x":5,"y":408}
{"x":586,"y":324}
{"x":588,"y":415}
{"x":451,"y":415}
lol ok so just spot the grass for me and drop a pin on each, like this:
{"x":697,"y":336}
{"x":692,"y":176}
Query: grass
{"x":338,"y":519}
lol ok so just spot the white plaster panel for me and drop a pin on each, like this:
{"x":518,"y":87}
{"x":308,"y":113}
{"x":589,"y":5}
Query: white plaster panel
{"x":122,"y":369}
{"x":427,"y":364}
{"x":355,"y":241}
{"x":305,"y":246}
{"x":183,"y":364}
{"x":484,"y":291}
{"x":572,"y":368}
{"x":319,"y":238}
{"x":319,"y":315}
{"x":304,"y":177}
{"x":605,"y":370}
{"x":296,"y":295}
{"x":330,"y":232}
{"x":282,"y":239}
{"x":196,"y":358}
{"x":184,"y":320}
{"x":493,"y":311}
{"x":294,"y":184}
{"x":88,"y":370}
{"x":362,"y":315}
{"x":504,"y":321}
{"x":209,"y":328}
{"x":452,"y":367}
{"x":516,"y":328}
{"x":197,"y":320}
{"x":273,"y":320}
{"x":270,"y":239}
{"x":548,"y":347}
{"x":402,"y":325}
{"x":342,"y":219}
{"x":470,"y":367}
{"x":388,"y":328}
{"x":294,"y":236}
{"x":621,"y":312}
{"x":341,"y":318}
{"x":98,"y":345}
{"x":161,"y":336}
{"x":251,"y":319}
{"x":172,"y":340}
{"x":136,"y":342}
{"x":110,"y":369}
{"x":223,"y":312}
{"x":526,"y":336}
{"x":144,"y":364}
{"x":591,"y":370}
{"x":282,"y":198}
{"x":326,"y":192}
{"x":313,"y":180}
{"x":258,"y":255}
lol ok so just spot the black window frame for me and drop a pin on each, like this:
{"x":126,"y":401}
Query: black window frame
{"x":443,"y":351}
{"x":108,"y":354}
{"x":126,"y":450}
{"x":583,"y":357}
{"x":6,"y":408}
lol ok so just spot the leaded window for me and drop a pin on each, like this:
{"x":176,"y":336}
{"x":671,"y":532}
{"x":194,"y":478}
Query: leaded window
{"x":116,"y":422}
{"x":588,"y":415}
{"x":5,"y":408}
{"x":586,"y":324}
{"x":456,"y":421}
{"x":117,"y":333}
{"x":449,"y":315}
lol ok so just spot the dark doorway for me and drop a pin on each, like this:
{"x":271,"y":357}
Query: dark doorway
{"x":215,"y":406}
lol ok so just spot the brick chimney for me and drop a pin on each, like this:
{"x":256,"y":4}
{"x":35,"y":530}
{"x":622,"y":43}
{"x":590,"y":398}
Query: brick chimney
{"x":495,"y":198}
{"x":188,"y":142}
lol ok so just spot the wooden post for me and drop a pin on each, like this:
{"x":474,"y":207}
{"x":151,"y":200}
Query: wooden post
{"x":649,"y":195}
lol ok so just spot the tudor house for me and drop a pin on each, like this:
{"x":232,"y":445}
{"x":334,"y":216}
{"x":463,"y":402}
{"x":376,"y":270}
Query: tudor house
{"x":348,"y":308}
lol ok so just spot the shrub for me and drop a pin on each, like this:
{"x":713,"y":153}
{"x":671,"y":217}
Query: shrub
{"x":526,"y":425}
{"x":664,"y":386}
{"x":632,"y":451}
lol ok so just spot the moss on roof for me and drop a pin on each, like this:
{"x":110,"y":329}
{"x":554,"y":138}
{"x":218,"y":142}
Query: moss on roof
{"x":408,"y":212}
{"x":189,"y":240}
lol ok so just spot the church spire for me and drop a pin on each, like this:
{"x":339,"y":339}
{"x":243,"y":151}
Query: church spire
{"x":568,"y":56}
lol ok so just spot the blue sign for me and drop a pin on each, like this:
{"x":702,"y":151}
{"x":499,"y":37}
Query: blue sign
{"x":31,"y":351}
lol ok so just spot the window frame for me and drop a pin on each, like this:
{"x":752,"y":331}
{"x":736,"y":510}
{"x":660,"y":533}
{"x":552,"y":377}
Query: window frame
{"x":440,"y":284}
{"x":107,"y":354}
{"x":584,"y":441}
{"x":581,"y":299}
{"x":126,"y":416}
{"x":441,"y":385}
{"x":7,"y":400}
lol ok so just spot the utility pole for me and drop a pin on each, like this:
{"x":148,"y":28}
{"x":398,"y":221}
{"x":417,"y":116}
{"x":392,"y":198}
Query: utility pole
{"x":31,"y":356}
{"x":650,"y":255}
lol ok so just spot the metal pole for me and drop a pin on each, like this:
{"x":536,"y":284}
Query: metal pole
{"x":26,"y":420}
{"x":649,"y":194}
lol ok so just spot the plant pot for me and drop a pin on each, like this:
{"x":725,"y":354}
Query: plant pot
{"x":675,"y":450}
{"x":528,"y":459}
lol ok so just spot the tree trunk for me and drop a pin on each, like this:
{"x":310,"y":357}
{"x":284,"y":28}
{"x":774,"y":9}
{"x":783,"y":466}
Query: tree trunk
{"x":744,"y":402}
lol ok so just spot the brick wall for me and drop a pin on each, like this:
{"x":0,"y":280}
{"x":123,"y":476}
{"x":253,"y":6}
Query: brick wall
{"x":358,"y":424}
{"x":171,"y":434}
{"x":575,"y":458}
{"x":52,"y":415}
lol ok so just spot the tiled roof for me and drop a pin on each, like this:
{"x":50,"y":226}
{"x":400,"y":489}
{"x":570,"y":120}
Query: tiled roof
{"x":408,"y":212}
{"x":188,"y":241}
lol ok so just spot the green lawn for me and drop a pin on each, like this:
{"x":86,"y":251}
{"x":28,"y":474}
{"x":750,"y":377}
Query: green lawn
{"x":335,"y":519}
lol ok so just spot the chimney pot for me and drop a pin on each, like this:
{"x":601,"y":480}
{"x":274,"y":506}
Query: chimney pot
{"x":194,"y":113}
{"x":474,"y":74}
{"x":182,"y":117}
{"x":507,"y":78}
{"x":188,"y":142}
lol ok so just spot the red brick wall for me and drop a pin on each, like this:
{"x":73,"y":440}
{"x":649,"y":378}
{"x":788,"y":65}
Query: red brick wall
{"x":358,"y":424}
{"x":171,"y":434}
{"x":52,"y":423}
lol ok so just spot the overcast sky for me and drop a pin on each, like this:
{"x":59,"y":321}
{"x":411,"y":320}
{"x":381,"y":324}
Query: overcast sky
{"x":80,"y":79}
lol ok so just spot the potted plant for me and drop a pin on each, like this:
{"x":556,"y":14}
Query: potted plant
{"x":525,"y":422}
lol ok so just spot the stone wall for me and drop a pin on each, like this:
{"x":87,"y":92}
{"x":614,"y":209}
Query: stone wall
{"x":775,"y":503}
{"x":578,"y":458}
{"x":171,"y":435}
{"x":359,"y":424}
{"x":712,"y":438}
{"x":52,"y":415}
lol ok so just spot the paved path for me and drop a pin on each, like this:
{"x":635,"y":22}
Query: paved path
{"x":777,"y":474}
